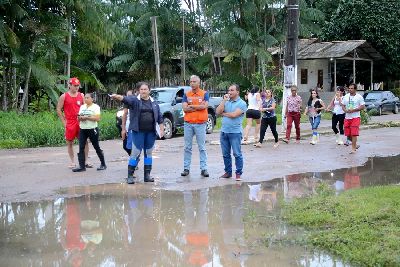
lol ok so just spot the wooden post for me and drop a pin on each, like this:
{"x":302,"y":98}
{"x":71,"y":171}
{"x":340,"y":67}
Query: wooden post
{"x":290,"y":62}
{"x":372,"y":75}
{"x":183,"y":52}
{"x":334,"y":75}
{"x":354,"y":66}
{"x":156,"y":49}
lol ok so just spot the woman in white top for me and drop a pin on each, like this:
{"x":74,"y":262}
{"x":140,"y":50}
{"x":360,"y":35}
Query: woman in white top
{"x":88,"y":116}
{"x":338,"y":114}
{"x":253,"y":112}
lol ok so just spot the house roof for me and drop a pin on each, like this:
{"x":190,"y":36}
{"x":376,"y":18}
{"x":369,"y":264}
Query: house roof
{"x":312,"y":49}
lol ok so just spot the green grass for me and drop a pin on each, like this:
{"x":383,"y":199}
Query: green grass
{"x":360,"y":226}
{"x":43,"y":129}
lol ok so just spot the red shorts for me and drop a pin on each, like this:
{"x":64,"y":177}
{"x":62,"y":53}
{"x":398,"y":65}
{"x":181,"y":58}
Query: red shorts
{"x":352,"y":126}
{"x":71,"y":130}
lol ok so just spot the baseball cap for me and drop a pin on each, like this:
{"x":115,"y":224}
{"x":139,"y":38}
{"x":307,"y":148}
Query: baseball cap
{"x":74,"y":81}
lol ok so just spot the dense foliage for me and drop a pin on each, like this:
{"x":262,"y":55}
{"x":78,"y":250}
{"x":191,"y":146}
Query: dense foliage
{"x":109,"y":44}
{"x":44,"y":129}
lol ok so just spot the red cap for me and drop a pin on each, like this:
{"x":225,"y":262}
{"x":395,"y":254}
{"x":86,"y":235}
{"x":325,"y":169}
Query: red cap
{"x":74,"y":81}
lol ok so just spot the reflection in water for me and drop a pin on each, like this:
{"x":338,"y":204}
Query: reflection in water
{"x":121,"y":225}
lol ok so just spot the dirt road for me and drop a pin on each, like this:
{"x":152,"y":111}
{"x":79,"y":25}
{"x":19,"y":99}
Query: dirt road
{"x":40,"y":173}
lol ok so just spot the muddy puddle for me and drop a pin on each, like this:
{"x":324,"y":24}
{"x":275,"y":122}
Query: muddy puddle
{"x":121,"y":225}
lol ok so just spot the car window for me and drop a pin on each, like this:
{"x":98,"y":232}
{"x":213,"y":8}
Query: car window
{"x":374,"y":96}
{"x":162,"y":96}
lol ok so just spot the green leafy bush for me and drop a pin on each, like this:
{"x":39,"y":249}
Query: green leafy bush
{"x":373,"y":112}
{"x":44,"y":129}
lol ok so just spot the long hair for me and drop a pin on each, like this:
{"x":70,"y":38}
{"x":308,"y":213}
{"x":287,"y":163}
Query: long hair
{"x":255,"y":89}
{"x":310,"y":99}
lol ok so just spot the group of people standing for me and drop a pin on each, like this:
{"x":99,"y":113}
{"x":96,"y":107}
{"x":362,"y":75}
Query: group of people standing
{"x":143,"y":123}
{"x":346,"y":113}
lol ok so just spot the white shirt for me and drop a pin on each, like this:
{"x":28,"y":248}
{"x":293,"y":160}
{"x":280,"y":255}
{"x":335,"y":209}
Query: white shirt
{"x":92,"y":110}
{"x":337,"y":108}
{"x":253,"y":103}
{"x":352,"y":102}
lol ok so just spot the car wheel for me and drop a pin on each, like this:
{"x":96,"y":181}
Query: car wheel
{"x":396,"y":109}
{"x":210,"y":124}
{"x":380,"y":111}
{"x":167,"y":128}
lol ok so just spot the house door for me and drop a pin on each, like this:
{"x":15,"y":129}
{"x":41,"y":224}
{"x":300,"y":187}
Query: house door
{"x":320,"y":82}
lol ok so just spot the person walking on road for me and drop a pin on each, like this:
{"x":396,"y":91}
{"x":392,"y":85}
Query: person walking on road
{"x":88,"y":116}
{"x":146,"y":122}
{"x":195,"y":104}
{"x":268,"y":118}
{"x":293,"y":114}
{"x":232,"y":109}
{"x":253,"y":113}
{"x":352,"y":105}
{"x":314,"y":107}
{"x":338,"y":115}
{"x":69,"y":103}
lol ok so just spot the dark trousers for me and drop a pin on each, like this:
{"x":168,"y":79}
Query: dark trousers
{"x":93,"y":135}
{"x":338,"y":119}
{"x":271,"y":122}
{"x":293,"y":117}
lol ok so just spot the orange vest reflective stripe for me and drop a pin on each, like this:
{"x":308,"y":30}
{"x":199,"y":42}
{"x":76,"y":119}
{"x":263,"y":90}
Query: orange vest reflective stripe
{"x":198,"y":116}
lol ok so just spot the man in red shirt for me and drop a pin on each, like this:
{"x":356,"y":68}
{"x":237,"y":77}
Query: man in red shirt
{"x":70,"y":103}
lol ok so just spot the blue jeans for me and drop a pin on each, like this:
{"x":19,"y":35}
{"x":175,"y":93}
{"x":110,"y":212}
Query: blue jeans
{"x":315,"y":121}
{"x":198,"y":130}
{"x":142,"y":141}
{"x":228,"y":141}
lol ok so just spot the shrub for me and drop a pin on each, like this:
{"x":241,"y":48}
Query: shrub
{"x":44,"y":129}
{"x":373,"y":112}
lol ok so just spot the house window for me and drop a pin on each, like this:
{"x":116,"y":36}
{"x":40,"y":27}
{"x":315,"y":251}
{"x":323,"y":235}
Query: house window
{"x":304,"y":76}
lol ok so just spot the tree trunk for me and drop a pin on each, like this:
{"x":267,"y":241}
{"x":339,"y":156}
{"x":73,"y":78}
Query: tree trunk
{"x":69,"y":42}
{"x":23,"y":107}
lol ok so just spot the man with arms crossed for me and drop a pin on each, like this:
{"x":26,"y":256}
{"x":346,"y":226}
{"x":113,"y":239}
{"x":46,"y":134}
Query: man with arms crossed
{"x":195,"y":104}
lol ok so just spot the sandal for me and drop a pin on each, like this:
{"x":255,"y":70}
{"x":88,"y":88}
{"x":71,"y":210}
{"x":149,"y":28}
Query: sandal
{"x":72,"y":165}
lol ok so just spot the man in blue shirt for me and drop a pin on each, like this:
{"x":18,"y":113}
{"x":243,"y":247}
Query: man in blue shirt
{"x":232,"y":110}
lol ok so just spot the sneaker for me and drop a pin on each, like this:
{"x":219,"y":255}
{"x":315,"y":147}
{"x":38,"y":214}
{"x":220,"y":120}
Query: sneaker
{"x":226,"y":175}
{"x":297,"y":141}
{"x":347,"y":143}
{"x":285,"y":140}
{"x":238,"y":177}
{"x":89,"y":165}
{"x":185,"y":172}
{"x":204,"y":173}
{"x":276,"y":144}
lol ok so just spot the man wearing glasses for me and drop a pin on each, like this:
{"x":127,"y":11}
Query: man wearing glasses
{"x":352,"y":105}
{"x":70,"y":103}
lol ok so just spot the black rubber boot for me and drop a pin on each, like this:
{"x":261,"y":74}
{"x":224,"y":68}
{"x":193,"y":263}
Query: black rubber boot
{"x":147,"y":170}
{"x":131,"y":177}
{"x":103,"y":166}
{"x":81,"y":160}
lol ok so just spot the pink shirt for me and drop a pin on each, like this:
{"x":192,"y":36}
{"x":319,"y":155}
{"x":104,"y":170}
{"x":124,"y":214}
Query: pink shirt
{"x":293,"y":103}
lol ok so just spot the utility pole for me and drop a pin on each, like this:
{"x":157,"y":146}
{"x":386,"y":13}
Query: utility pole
{"x":183,"y":52}
{"x":156,"y":49}
{"x":290,"y":62}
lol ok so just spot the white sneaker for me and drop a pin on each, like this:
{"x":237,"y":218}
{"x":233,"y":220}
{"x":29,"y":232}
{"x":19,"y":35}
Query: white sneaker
{"x":340,"y":140}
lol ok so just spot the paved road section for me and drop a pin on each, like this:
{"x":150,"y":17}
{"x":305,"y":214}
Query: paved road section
{"x":41,"y":173}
